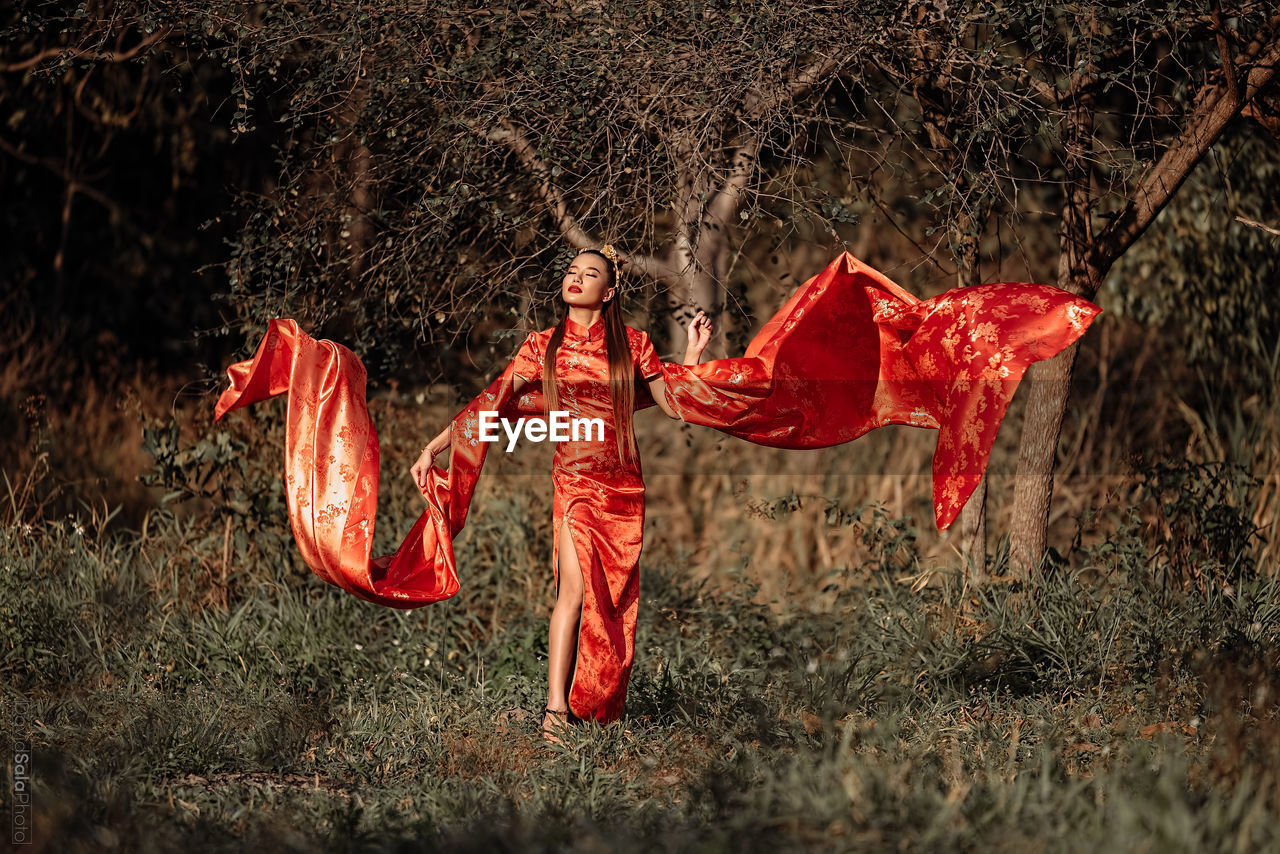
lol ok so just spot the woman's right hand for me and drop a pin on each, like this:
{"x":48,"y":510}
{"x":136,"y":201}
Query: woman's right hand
{"x":422,"y":467}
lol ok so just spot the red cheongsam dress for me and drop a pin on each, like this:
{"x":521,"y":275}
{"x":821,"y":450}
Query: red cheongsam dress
{"x":601,"y":498}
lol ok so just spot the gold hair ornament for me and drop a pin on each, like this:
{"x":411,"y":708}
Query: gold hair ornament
{"x":607,"y":251}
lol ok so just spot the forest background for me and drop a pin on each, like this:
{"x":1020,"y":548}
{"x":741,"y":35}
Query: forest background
{"x":1088,"y":660}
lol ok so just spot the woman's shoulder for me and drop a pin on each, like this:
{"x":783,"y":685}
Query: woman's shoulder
{"x":540,"y":334}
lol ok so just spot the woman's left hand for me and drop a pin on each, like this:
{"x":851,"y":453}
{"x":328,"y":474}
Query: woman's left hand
{"x":699,"y":332}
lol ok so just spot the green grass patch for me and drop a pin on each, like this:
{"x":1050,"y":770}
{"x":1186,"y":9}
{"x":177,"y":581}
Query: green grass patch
{"x":176,"y":703}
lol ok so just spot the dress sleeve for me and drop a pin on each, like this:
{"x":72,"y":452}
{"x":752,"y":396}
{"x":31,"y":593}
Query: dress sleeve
{"x":528,"y":360}
{"x":646,"y":358}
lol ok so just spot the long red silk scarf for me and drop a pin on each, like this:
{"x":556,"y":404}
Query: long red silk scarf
{"x":848,"y":352}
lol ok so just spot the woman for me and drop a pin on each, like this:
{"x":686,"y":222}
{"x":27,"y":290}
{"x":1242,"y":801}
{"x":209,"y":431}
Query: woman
{"x":587,"y":365}
{"x":847,"y":352}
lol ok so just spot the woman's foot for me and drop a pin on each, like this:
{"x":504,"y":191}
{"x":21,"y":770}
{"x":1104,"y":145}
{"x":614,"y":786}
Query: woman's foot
{"x":554,"y":722}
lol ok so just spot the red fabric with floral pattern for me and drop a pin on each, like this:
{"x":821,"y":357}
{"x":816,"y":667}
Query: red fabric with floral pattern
{"x":848,"y":352}
{"x":851,"y":351}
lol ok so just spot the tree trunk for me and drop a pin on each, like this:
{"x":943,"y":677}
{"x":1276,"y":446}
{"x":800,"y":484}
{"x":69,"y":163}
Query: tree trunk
{"x":1084,"y":262}
{"x":700,"y":289}
{"x":700,"y":254}
{"x":1050,"y":381}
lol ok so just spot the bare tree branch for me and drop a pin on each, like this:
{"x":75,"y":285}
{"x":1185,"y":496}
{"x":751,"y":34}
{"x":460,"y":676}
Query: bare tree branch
{"x":1218,"y":106}
{"x":519,"y":144}
{"x":570,"y":229}
{"x":82,"y":53}
{"x":1269,"y":229}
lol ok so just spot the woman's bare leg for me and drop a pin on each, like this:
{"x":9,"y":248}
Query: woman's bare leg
{"x":562,"y":641}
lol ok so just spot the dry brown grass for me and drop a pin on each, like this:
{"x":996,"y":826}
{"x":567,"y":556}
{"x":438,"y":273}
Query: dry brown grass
{"x":75,"y":440}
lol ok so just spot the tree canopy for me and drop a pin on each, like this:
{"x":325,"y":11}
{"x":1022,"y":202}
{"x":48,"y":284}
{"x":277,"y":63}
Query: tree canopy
{"x":409,"y":177}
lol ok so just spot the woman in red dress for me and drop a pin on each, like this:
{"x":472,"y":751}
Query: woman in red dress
{"x":598,"y":506}
{"x":847,"y":352}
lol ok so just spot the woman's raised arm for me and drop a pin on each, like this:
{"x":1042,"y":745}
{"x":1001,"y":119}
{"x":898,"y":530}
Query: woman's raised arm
{"x":699,"y":335}
{"x":437,"y":445}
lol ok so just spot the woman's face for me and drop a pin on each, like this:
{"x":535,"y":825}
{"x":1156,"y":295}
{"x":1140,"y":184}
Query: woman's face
{"x":586,"y":282}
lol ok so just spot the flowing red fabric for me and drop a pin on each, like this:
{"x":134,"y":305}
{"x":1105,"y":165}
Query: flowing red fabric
{"x":331,"y":468}
{"x":848,"y":352}
{"x":851,"y":351}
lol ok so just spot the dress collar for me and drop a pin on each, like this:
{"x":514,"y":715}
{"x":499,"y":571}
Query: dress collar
{"x":577,"y":330}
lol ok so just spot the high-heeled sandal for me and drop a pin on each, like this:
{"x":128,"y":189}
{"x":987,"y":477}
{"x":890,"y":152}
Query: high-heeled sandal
{"x":561,"y":714}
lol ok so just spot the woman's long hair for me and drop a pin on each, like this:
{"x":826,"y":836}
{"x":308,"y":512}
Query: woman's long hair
{"x":622,"y":388}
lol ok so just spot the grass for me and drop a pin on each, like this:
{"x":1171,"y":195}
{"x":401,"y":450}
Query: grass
{"x":1107,"y":710}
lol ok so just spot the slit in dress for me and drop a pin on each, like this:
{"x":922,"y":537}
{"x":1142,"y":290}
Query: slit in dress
{"x":582,"y":571}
